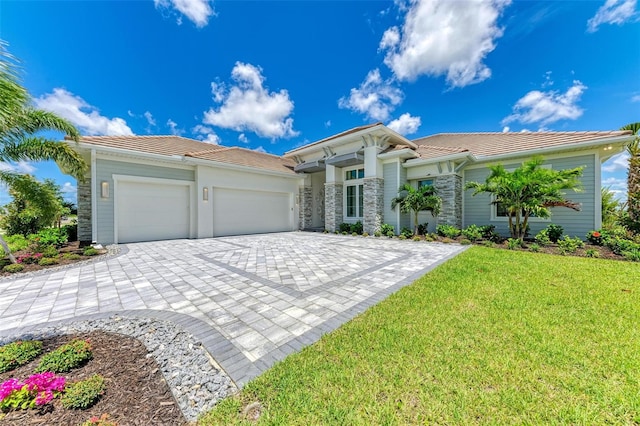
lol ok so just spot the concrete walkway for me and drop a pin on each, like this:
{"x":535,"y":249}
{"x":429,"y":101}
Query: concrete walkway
{"x":251,"y":300}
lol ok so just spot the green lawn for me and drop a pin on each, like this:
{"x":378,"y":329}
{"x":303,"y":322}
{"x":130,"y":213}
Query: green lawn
{"x":492,"y":336}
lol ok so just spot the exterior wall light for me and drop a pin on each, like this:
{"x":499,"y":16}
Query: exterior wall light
{"x":104,"y":189}
{"x":205,"y":194}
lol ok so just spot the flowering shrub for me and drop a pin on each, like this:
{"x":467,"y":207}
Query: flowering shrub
{"x":595,"y":238}
{"x":103,"y":420}
{"x":66,"y":357}
{"x":37,"y":390}
{"x":18,"y":353}
{"x":29,"y":258}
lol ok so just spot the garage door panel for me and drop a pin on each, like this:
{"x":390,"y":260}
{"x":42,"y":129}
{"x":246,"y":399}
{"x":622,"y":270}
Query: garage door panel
{"x":237,"y":212}
{"x":150,"y":211}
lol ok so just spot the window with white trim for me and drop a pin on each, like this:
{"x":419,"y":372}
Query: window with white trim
{"x":354,"y":174}
{"x":425,"y":182}
{"x":354,"y":193}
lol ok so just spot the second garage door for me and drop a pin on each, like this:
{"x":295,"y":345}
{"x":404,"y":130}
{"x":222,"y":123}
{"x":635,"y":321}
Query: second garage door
{"x":151,"y":211}
{"x":237,"y":212}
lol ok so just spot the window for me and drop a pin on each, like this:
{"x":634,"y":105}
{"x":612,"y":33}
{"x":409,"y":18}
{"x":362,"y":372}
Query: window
{"x":355,"y":201}
{"x":354,"y":174}
{"x":425,"y":182}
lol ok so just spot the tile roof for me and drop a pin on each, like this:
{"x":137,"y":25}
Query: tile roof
{"x":176,"y":145}
{"x":490,"y":144}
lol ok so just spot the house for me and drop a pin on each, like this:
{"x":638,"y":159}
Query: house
{"x":143,"y":188}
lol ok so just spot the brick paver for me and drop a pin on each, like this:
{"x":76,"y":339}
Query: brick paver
{"x":252,"y":300}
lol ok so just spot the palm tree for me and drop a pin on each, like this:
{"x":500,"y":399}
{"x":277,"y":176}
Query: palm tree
{"x":20,"y":132}
{"x":529,"y":190}
{"x":633,"y":177}
{"x":418,"y":200}
{"x":610,"y":207}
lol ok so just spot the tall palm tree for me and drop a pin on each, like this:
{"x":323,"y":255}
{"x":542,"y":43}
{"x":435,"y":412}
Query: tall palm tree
{"x":20,"y":132}
{"x":418,"y":200}
{"x":633,"y":177}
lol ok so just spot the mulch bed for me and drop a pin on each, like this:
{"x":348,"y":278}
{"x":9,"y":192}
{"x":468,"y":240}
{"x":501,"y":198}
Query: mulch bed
{"x":72,"y":247}
{"x":136,"y":393}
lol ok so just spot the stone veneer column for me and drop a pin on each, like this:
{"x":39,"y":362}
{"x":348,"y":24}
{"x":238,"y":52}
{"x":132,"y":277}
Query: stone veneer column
{"x":450,"y":190}
{"x":305,"y":208}
{"x":373,"y":204}
{"x":84,"y":211}
{"x":333,"y":206}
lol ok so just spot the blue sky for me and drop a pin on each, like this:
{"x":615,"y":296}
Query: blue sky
{"x":273,"y":75}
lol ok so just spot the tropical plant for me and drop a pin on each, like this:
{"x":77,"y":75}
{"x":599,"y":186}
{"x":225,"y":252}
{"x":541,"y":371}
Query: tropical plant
{"x":610,"y":207}
{"x":412,"y":200}
{"x":20,"y":135}
{"x":529,"y":190}
{"x":448,"y":231}
{"x":633,"y":177}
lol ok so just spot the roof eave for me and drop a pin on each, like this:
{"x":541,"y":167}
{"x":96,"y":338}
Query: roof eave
{"x":423,"y":161}
{"x":401,"y":153}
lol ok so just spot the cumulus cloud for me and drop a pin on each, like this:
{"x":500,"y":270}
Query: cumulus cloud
{"x":616,"y":163}
{"x":548,"y":107}
{"x":173,"y":128}
{"x":376,"y":98}
{"x":81,"y":114}
{"x":206,"y":134}
{"x":197,"y":11}
{"x":22,"y":167}
{"x":613,"y":12}
{"x":635,"y":98}
{"x":444,"y":37}
{"x":243,"y":138}
{"x":406,"y":124}
{"x":505,"y":129}
{"x":247,"y":105}
{"x":261,"y":149}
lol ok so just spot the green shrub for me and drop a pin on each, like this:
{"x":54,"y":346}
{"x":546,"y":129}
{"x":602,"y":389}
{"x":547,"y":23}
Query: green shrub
{"x":72,"y":231}
{"x":488,"y":243}
{"x":49,"y":237}
{"x":472,"y":232}
{"x":408,"y":233}
{"x":554,"y":232}
{"x":20,"y":222}
{"x":16,"y":242}
{"x":18,"y":353}
{"x":48,"y":261}
{"x":377,"y":234}
{"x":66,"y":357}
{"x":385,"y":228}
{"x":345,"y":227}
{"x":83,"y":394}
{"x":428,"y":238}
{"x":422,"y":228}
{"x":448,"y":231}
{"x":569,"y":245}
{"x":402,"y":237}
{"x":595,"y":238}
{"x":465,"y":242}
{"x":620,"y":245}
{"x":71,"y":256}
{"x":542,"y":238}
{"x":50,"y":251}
{"x":365,"y":234}
{"x":489,"y":233}
{"x":514,"y":243}
{"x":448,"y":240}
{"x":343,"y":233}
{"x":356,"y":228}
{"x":13,"y":268}
{"x":354,"y":234}
{"x":534,"y":247}
{"x":417,"y":238}
{"x":90,"y":251}
{"x":592,"y":253}
{"x":632,"y":255}
{"x":390,"y":234}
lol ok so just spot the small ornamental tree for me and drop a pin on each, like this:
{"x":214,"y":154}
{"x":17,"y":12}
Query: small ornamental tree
{"x":633,"y":178}
{"x":529,"y":190}
{"x":412,"y":200}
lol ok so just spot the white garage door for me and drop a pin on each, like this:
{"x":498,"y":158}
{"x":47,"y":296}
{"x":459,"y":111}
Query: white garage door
{"x":152,"y":211}
{"x":237,"y":212}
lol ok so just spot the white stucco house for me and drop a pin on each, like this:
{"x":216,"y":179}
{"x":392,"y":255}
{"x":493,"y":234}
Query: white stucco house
{"x":142,"y":188}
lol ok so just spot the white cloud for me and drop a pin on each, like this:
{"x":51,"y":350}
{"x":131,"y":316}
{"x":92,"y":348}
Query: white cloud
{"x":618,"y":186}
{"x":616,"y":163}
{"x":406,"y":124}
{"x":206,"y":134}
{"x":249,"y":106}
{"x":261,"y":149}
{"x":444,"y":37}
{"x":613,"y":12}
{"x":81,"y":114}
{"x":198,"y":11}
{"x":173,"y":128}
{"x":548,"y":107}
{"x":635,"y":98}
{"x":68,"y":188}
{"x":375,"y":97}
{"x":327,"y":123}
{"x":150,"y":119}
{"x":505,"y":129}
{"x":243,"y":138}
{"x":548,"y":81}
{"x":22,"y":167}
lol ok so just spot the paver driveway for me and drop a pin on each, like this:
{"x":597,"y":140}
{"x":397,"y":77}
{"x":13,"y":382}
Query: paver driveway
{"x":251,"y":300}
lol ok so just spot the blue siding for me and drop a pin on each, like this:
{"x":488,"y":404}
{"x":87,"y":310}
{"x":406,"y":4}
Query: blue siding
{"x":105,"y":169}
{"x":477,"y":210}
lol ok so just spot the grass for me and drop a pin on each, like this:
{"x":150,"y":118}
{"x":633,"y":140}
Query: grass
{"x":491,"y":336}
